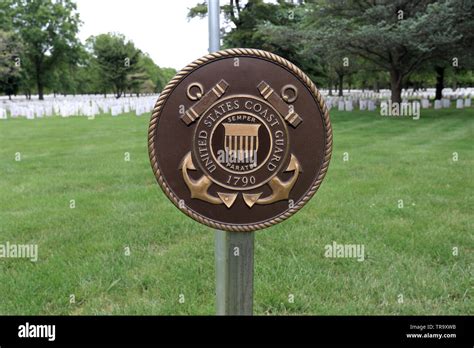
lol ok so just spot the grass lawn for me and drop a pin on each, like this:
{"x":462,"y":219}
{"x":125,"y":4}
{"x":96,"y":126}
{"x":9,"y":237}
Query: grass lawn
{"x":118,"y":205}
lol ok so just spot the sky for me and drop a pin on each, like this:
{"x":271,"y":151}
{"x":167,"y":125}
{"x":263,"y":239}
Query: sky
{"x":157,"y":27}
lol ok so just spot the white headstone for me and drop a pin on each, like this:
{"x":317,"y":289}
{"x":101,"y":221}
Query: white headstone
{"x":371,"y":105}
{"x":459,"y":104}
{"x":438,"y":104}
{"x":349,"y":105}
{"x":329,"y":103}
{"x":116,"y":109}
{"x":341,"y":105}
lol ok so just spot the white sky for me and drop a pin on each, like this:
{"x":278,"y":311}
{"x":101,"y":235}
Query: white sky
{"x":157,"y":27}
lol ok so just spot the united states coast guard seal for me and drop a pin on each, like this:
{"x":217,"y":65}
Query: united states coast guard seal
{"x":240,"y":139}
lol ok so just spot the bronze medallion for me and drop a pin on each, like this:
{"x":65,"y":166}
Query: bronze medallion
{"x":240,"y":139}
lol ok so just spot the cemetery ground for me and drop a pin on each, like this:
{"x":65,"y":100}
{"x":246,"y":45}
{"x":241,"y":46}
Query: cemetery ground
{"x":402,"y":194}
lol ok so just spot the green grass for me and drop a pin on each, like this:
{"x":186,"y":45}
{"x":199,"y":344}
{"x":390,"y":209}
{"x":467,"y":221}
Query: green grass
{"x":118,"y":205}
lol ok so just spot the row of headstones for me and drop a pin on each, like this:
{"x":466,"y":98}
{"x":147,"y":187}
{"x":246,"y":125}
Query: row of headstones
{"x":430,"y":93}
{"x":371,"y":105}
{"x":77,"y":97}
{"x":446,"y":103}
{"x":32,"y":110}
{"x":70,"y":107}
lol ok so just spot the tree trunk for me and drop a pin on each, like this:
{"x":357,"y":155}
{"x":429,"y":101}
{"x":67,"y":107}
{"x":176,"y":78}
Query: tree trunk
{"x":40,"y":90}
{"x":396,"y":86}
{"x":341,"y":81}
{"x":439,"y":82}
{"x":330,"y":88}
{"x":39,"y":82}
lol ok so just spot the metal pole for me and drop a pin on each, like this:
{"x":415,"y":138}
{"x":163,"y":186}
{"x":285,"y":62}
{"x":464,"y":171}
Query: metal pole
{"x":233,"y":250}
{"x":214,"y":27}
{"x":234,"y":272}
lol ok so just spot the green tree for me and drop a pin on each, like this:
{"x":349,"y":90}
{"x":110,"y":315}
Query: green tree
{"x":10,"y":73}
{"x":152,"y":72}
{"x":456,"y":56}
{"x":116,"y":59}
{"x":165,"y":75}
{"x":244,"y":18}
{"x":150,"y":77}
{"x":325,"y":62}
{"x":398,"y":36}
{"x":49,"y":32}
{"x":7,"y":10}
{"x":136,"y":81}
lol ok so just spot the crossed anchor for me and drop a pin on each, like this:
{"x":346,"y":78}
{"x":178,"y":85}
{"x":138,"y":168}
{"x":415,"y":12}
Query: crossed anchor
{"x":199,"y":188}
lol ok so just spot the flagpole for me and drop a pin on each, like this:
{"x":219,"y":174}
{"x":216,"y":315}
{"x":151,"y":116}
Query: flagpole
{"x":233,"y":250}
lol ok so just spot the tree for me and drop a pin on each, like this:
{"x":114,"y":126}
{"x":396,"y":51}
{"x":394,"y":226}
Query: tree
{"x":10,"y":74}
{"x":116,"y":59}
{"x":136,"y":81}
{"x":322,"y":59}
{"x":49,"y":32}
{"x":6,"y":15}
{"x":79,"y":78}
{"x":243,"y":17}
{"x":153,"y":74}
{"x":257,"y":24}
{"x":398,"y":36}
{"x":165,"y":75}
{"x":457,"y":54}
